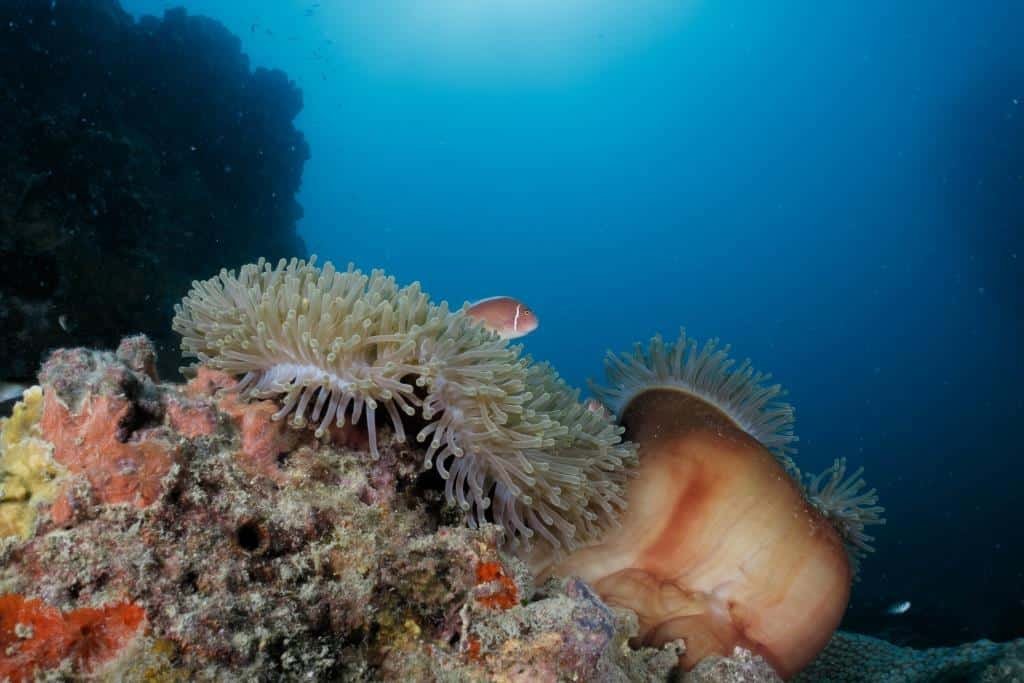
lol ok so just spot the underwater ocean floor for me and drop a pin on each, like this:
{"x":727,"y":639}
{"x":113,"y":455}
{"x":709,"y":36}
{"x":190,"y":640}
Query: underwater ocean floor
{"x":210,"y":531}
{"x":173,"y":532}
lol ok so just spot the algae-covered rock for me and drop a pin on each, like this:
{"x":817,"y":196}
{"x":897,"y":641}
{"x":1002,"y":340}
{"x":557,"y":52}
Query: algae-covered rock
{"x":742,"y":666}
{"x":198,"y":539}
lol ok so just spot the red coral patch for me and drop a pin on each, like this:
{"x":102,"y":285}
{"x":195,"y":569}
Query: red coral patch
{"x":87,"y":444}
{"x":98,"y":634}
{"x":263,"y":439}
{"x":70,"y":505}
{"x":505,"y":595}
{"x":191,"y":420}
{"x":35,"y":636}
{"x":473,"y":648}
{"x":207,"y":381}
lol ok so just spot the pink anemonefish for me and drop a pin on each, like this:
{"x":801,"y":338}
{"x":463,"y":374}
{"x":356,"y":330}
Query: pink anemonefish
{"x":506,"y":316}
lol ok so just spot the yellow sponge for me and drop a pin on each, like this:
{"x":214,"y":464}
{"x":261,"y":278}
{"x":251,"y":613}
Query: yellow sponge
{"x":28,"y":472}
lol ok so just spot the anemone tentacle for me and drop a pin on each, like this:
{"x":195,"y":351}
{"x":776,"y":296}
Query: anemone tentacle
{"x":708,"y":373}
{"x":840,"y":500}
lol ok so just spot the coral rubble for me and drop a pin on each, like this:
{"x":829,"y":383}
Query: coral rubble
{"x":134,"y":158}
{"x":189,"y":536}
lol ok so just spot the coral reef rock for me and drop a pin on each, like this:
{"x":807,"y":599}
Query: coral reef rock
{"x":134,"y":158}
{"x":741,"y":667}
{"x":175,"y":532}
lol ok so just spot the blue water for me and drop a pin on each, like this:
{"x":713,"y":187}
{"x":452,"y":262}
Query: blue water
{"x":836,"y":189}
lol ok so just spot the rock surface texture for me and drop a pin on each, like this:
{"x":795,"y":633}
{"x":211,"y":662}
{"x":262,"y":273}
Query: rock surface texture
{"x":173,"y":532}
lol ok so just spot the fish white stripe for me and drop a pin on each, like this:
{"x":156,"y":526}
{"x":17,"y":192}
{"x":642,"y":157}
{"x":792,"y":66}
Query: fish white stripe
{"x":487,"y":299}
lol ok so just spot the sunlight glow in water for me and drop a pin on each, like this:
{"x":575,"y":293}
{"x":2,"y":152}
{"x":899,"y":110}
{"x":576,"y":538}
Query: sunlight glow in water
{"x":528,"y":39}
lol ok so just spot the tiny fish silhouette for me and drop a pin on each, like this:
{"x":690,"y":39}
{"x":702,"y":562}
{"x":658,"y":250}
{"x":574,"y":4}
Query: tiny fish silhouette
{"x":509,"y":317}
{"x":898,"y":608}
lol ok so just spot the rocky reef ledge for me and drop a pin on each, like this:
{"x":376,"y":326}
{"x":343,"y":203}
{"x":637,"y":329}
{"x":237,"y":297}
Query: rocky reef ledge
{"x":166,"y":532}
{"x":172,"y":532}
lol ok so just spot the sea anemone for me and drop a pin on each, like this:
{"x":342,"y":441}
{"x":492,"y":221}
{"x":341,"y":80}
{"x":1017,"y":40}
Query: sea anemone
{"x":719,"y":544}
{"x":707,"y":372}
{"x":510,"y":439}
{"x":839,"y":498}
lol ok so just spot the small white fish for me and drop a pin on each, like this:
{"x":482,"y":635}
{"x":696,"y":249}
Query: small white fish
{"x":509,"y":317}
{"x":898,"y":608}
{"x":62,"y":320}
{"x":10,"y":390}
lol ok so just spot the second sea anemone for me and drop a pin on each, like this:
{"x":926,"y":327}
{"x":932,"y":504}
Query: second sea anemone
{"x":720,"y":544}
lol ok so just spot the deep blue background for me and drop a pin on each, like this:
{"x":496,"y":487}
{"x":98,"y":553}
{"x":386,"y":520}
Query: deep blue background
{"x":836,"y":189}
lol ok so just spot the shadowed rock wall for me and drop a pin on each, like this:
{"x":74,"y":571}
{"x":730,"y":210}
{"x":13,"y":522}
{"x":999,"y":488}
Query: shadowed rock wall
{"x":134,"y":158}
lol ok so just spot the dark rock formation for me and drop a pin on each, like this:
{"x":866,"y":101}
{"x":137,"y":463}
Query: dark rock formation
{"x":134,"y":157}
